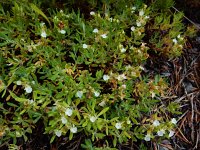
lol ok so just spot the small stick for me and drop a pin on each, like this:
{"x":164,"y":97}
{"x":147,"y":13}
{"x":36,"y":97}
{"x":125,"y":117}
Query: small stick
{"x":195,"y":24}
{"x":197,"y":141}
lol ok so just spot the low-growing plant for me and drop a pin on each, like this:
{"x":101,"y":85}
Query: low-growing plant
{"x":84,"y":75}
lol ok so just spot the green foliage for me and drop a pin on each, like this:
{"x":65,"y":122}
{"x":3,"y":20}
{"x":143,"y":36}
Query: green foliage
{"x":167,"y":32}
{"x":89,"y":146}
{"x":84,"y":75}
{"x":163,"y":4}
{"x":37,"y":10}
{"x":173,"y":107}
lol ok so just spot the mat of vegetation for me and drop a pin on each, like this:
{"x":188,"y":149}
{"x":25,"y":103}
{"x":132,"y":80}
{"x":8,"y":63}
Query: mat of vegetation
{"x":84,"y":74}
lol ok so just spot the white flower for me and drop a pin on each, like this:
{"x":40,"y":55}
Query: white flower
{"x":118,"y":125}
{"x":123,"y":50}
{"x":181,"y":46}
{"x":85,"y":46}
{"x":133,"y":8}
{"x":68,"y":112}
{"x":106,"y":77}
{"x":28,"y":89}
{"x":124,"y":86}
{"x":171,"y":133}
{"x":42,"y":24}
{"x":132,"y":28}
{"x":96,"y":93}
{"x":133,"y":74}
{"x":156,"y":123}
{"x":128,"y":122}
{"x":111,"y":19}
{"x":30,"y":101}
{"x":43,"y":34}
{"x":93,"y":118}
{"x":58,"y":133}
{"x":147,"y":137}
{"x":33,"y":82}
{"x":153,"y":94}
{"x":146,"y":17}
{"x":62,"y":31}
{"x":102,"y":104}
{"x":67,"y":16}
{"x":142,"y":68}
{"x":104,"y":36}
{"x":106,"y":15}
{"x":73,"y":129}
{"x":121,"y":77}
{"x":175,"y":41}
{"x":174,"y":121}
{"x":92,"y":13}
{"x":64,"y":120}
{"x":138,"y":24}
{"x":79,"y":94}
{"x":139,"y":51}
{"x":95,"y":30}
{"x":141,"y":13}
{"x":30,"y":48}
{"x":128,"y":67}
{"x":19,"y":82}
{"x":178,"y":36}
{"x":161,"y":132}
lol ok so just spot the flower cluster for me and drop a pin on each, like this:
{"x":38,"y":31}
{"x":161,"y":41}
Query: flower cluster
{"x":164,"y":129}
{"x":96,"y":82}
{"x":140,"y":22}
{"x":66,"y":116}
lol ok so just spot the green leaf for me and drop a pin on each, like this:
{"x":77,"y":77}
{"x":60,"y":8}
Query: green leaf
{"x":115,"y":141}
{"x":21,"y":100}
{"x":29,"y":130}
{"x":70,"y":135}
{"x":37,"y":10}
{"x":157,"y":79}
{"x":99,"y":125}
{"x":93,"y":137}
{"x":106,"y":129}
{"x":103,"y":111}
{"x":134,"y":120}
{"x":45,"y":104}
{"x":11,"y":80}
{"x":99,"y":74}
{"x":85,"y":124}
{"x":52,"y":138}
{"x":100,"y":135}
{"x":23,"y":111}
{"x":4,"y":92}
{"x":11,"y":104}
{"x":127,"y":135}
{"x":36,"y":120}
{"x":25,"y":137}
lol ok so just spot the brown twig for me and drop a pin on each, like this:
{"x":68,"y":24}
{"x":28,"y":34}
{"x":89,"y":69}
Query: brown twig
{"x":182,"y":136}
{"x":195,"y":24}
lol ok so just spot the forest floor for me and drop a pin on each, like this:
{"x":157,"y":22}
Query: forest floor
{"x":184,"y":76}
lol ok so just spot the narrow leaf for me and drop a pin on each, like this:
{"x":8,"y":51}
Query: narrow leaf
{"x":103,"y":111}
{"x":37,"y":10}
{"x":17,"y":98}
